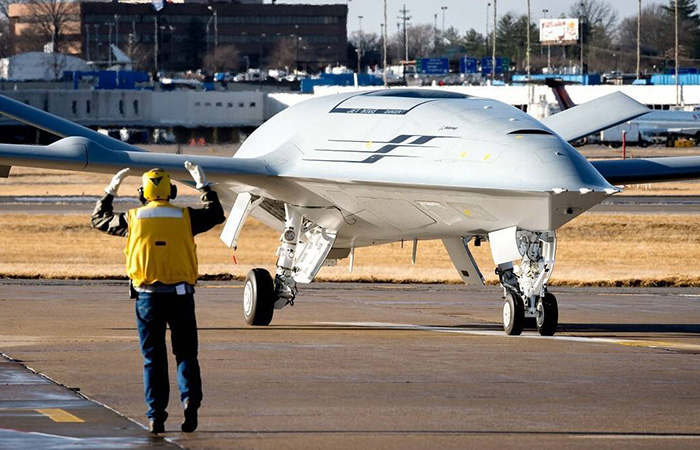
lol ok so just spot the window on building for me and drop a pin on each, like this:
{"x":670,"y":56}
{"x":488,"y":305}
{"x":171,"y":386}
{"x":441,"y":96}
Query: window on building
{"x":87,"y":106}
{"x":136,"y":107}
{"x":74,"y":107}
{"x":121,"y":107}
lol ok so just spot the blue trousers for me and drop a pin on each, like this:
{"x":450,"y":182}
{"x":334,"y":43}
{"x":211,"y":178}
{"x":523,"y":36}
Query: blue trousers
{"x":153,"y":312}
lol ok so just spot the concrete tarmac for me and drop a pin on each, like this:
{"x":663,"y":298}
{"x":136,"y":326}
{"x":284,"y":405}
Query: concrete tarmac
{"x":387,"y":366}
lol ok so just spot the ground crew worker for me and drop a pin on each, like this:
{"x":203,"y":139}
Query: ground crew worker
{"x":161,"y":263}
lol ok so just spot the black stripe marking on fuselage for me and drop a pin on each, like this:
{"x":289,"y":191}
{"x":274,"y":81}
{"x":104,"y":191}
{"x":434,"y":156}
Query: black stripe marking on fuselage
{"x":393,"y":144}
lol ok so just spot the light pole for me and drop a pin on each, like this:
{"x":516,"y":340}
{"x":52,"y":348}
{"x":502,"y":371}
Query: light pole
{"x":216,"y":29}
{"x":676,"y":52}
{"x":116,"y":30}
{"x":97,"y":42}
{"x":493,"y":52}
{"x":443,"y":8}
{"x":132,"y":39}
{"x":639,"y":36}
{"x":549,"y":47}
{"x":172,"y":40}
{"x":398,"y":47}
{"x":527,"y":55}
{"x":583,"y":32}
{"x":87,"y":42}
{"x":155,"y":44}
{"x":486,"y":36}
{"x":109,"y":49}
{"x":262,"y":37}
{"x":207,"y":33}
{"x":384,"y":44}
{"x":359,"y":48}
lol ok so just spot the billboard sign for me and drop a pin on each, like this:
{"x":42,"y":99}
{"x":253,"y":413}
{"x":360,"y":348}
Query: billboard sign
{"x":558,"y":31}
{"x":433,"y":66}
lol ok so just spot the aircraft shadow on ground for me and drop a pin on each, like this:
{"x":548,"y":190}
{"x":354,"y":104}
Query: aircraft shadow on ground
{"x":459,"y":432}
{"x":570,"y":328}
{"x":631,"y":327}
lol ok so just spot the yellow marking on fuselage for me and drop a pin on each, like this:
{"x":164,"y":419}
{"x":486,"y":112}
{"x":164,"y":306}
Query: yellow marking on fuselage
{"x":487,"y":156}
{"x":463,"y":154}
{"x":59,"y":415}
{"x":369,"y":144}
{"x":518,"y":137}
{"x":467,"y":212}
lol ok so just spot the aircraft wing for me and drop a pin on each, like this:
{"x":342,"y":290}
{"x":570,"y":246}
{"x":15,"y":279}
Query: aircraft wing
{"x":649,"y":170}
{"x":596,"y":115}
{"x":83,"y":154}
{"x":87,"y":150}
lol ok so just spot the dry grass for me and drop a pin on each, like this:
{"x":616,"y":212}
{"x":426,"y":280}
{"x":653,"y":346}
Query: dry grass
{"x":614,"y":250}
{"x":594,"y":249}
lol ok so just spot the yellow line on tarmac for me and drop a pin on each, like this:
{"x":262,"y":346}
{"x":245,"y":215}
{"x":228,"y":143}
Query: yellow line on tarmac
{"x":659,"y":344}
{"x":59,"y":415}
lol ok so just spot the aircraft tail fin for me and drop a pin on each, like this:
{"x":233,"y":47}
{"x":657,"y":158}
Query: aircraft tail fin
{"x":559,"y":89}
{"x":596,"y":115}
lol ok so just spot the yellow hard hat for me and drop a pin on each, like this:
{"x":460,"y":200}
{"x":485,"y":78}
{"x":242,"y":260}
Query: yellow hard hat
{"x":156,"y":186}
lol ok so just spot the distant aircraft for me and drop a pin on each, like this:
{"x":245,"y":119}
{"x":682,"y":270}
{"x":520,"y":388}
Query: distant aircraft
{"x":667,"y":124}
{"x":351,"y":170}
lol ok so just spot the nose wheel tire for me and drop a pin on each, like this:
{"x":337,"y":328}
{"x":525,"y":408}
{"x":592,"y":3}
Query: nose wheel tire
{"x":547,"y":315}
{"x":513,"y":315}
{"x":258,"y":297}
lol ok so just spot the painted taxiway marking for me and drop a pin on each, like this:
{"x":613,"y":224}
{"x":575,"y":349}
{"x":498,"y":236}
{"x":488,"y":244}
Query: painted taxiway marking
{"x":59,"y":415}
{"x":625,"y":342}
{"x":636,"y":436}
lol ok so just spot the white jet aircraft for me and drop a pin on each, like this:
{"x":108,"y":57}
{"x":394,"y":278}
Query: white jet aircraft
{"x":351,"y":170}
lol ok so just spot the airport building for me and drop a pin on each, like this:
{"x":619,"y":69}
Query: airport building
{"x":181,"y":34}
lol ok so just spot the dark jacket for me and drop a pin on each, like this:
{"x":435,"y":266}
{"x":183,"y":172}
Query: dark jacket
{"x":203,"y":219}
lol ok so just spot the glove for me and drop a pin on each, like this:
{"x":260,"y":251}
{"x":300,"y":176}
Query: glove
{"x":197,"y":175}
{"x":117,"y":179}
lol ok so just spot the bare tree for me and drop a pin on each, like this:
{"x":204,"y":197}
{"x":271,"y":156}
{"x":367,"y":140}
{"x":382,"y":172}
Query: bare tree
{"x":223,"y":59}
{"x":51,"y":20}
{"x":420,"y":40}
{"x":598,"y":31}
{"x":656,"y":39}
{"x":284,"y":54}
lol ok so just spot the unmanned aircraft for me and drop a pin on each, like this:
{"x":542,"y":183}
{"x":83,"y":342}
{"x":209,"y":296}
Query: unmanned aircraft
{"x":357,"y":169}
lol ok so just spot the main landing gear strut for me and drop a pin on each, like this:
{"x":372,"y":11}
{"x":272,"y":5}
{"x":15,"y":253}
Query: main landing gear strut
{"x":261,"y":294}
{"x":525,"y":285}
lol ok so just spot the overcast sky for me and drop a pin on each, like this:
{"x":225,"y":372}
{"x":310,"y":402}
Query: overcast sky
{"x":462,"y":14}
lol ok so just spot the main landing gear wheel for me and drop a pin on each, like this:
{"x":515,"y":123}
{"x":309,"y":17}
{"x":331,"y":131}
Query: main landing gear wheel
{"x":258,"y":297}
{"x":547,"y":315}
{"x":513,"y":314}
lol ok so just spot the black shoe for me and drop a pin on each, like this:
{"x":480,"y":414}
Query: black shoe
{"x":190,"y":423}
{"x":156,"y":426}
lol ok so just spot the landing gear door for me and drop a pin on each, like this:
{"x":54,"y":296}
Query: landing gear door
{"x":311,"y":253}
{"x":239,"y":213}
{"x":463,"y":260}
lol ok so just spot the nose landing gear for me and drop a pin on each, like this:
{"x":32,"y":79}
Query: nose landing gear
{"x":525,"y":285}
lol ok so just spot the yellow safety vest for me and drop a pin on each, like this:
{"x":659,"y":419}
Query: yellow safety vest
{"x":160,"y":245}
